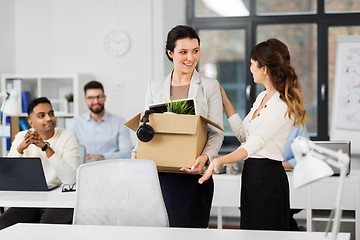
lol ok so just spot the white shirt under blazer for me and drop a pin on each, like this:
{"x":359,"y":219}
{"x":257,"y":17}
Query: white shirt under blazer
{"x":206,"y":93}
{"x":266,"y":134}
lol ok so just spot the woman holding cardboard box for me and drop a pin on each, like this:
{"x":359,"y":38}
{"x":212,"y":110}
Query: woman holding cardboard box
{"x":265,"y":189}
{"x":188,"y":203}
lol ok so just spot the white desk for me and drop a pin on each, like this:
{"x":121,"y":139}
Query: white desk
{"x":61,"y":232}
{"x":320,"y":195}
{"x":50,"y":199}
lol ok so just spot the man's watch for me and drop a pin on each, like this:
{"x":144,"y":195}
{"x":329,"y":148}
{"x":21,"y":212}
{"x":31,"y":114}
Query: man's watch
{"x":46,"y":145}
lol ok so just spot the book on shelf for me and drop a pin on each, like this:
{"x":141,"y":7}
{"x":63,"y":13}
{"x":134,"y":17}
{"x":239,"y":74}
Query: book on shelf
{"x":8,"y":139}
{"x":25,"y":100}
{"x":24,"y":125}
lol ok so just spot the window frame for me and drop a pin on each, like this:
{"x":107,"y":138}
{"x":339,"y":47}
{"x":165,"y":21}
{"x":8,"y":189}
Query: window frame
{"x":322,"y":20}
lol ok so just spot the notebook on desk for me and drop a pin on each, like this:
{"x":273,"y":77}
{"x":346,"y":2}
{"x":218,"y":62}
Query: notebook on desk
{"x":22,"y":174}
{"x":335,"y":146}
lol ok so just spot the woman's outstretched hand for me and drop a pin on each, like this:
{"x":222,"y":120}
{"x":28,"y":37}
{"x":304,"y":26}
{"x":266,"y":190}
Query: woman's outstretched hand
{"x":213,"y":168}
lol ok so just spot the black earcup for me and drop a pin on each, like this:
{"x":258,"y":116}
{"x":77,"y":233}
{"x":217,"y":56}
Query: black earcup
{"x":145,"y":133}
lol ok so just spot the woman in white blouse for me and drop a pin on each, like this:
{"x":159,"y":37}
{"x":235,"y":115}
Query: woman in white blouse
{"x":264,"y":200}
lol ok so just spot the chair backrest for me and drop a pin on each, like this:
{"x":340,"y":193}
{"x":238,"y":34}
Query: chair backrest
{"x":82,"y":152}
{"x":119,"y":192}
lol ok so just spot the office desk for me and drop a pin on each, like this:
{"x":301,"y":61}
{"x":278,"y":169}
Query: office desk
{"x":49,"y":199}
{"x":320,"y":195}
{"x":61,"y":232}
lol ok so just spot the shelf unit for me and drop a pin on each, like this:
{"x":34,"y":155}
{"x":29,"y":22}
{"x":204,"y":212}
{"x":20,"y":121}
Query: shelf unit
{"x":53,"y":86}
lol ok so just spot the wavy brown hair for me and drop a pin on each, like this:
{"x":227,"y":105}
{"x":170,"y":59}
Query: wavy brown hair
{"x":275,"y":55}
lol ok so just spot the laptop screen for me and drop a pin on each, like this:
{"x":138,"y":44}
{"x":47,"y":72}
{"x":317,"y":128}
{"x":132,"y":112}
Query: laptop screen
{"x":22,"y":174}
{"x":335,"y":146}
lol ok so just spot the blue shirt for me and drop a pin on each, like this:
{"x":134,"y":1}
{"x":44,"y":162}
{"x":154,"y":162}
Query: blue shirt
{"x":294,"y":132}
{"x":108,"y":137}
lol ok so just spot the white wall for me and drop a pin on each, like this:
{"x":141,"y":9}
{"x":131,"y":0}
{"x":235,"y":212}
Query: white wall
{"x":67,"y":36}
{"x":7,"y":33}
{"x":171,"y":19}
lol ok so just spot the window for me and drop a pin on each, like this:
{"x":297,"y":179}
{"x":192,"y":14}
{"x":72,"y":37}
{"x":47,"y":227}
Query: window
{"x":332,"y":6}
{"x":223,"y":57}
{"x":223,"y":8}
{"x":309,"y":28}
{"x":280,"y":7}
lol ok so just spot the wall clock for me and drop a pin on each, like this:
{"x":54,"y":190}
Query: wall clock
{"x":117,"y":42}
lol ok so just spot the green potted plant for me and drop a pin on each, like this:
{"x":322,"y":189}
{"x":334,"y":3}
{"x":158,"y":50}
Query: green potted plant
{"x":180,"y":107}
{"x":70,"y":99}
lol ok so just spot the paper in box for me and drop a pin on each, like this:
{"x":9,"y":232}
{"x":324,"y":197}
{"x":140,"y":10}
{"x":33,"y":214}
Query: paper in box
{"x":178,"y":139}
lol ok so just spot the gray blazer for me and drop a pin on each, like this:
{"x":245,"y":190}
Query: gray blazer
{"x":206,"y":93}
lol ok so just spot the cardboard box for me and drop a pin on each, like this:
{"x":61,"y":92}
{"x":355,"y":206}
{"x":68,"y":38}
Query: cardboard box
{"x":178,"y":139}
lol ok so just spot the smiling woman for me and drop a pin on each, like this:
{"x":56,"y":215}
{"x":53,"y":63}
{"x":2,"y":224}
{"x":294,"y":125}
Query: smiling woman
{"x":187,"y":202}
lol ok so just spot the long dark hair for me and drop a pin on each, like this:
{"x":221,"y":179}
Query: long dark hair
{"x":275,"y":55}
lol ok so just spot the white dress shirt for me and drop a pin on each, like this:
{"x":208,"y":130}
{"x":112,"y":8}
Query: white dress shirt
{"x":206,"y":93}
{"x":266,"y":134}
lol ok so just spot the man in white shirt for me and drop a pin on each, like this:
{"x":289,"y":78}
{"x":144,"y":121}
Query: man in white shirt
{"x":103,"y":134}
{"x":59,"y":153}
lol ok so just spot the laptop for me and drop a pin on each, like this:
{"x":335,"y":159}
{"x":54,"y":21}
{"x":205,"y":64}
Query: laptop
{"x":345,"y":146}
{"x":22,"y":174}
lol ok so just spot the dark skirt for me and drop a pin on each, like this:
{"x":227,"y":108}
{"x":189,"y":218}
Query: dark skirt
{"x":264,"y":203}
{"x":187,"y":202}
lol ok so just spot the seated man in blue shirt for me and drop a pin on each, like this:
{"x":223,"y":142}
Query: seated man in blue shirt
{"x":289,"y":159}
{"x":290,"y":162}
{"x":103,"y":134}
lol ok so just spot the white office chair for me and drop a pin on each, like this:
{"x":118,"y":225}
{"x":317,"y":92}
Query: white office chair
{"x":82,"y":152}
{"x":119,"y":192}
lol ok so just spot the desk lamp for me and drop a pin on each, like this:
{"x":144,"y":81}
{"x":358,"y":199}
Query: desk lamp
{"x":313,"y":164}
{"x":12,"y":106}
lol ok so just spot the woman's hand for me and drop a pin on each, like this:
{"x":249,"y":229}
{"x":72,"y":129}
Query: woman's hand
{"x":224,"y":97}
{"x":229,"y":109}
{"x":213,"y":168}
{"x":133,"y":155}
{"x":198,"y":166}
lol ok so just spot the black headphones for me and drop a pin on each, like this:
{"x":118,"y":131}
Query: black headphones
{"x":145,"y":132}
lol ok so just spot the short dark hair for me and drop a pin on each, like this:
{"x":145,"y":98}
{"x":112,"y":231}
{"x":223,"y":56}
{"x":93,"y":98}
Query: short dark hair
{"x":36,"y":101}
{"x":179,"y":32}
{"x":93,"y":85}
